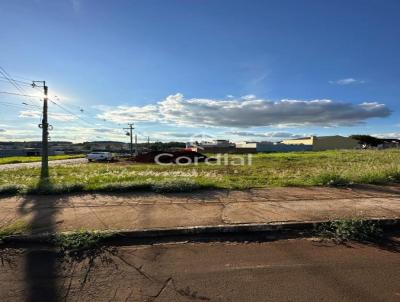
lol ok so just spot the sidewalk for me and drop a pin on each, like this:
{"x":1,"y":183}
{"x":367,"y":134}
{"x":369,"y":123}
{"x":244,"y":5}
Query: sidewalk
{"x":144,"y":211}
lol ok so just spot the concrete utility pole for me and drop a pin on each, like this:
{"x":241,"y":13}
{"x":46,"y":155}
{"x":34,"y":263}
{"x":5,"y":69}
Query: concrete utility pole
{"x":136,"y":148}
{"x":130,"y":133}
{"x":44,"y":173}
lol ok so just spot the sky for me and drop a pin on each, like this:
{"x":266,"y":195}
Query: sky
{"x":200,"y":69}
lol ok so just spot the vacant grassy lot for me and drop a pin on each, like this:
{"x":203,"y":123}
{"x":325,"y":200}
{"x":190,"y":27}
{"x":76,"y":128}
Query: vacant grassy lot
{"x":29,"y":159}
{"x":275,"y":169}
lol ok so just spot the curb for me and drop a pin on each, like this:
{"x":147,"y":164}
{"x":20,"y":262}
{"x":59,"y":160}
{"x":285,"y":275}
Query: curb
{"x":278,"y":230}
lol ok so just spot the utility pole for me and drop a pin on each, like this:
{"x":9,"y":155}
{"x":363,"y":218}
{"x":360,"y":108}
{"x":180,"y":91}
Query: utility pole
{"x":130,"y":133}
{"x":136,"y":148}
{"x":148,"y":142}
{"x":44,"y":173}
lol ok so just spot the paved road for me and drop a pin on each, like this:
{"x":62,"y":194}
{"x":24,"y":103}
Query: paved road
{"x":139,"y":211}
{"x":295,"y":270}
{"x":37,"y":164}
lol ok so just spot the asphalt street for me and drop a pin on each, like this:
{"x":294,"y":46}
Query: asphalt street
{"x":286,"y":270}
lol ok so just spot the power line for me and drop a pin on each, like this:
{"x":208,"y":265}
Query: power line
{"x":30,"y":105}
{"x":22,"y":96}
{"x":14,"y":82}
{"x":28,"y":81}
{"x":4,"y":79}
{"x":18,"y":106}
{"x":19,"y":94}
{"x":11,"y":80}
{"x":80,"y":118}
{"x":70,"y":112}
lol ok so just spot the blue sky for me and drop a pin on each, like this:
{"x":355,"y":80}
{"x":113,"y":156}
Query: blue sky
{"x":243,"y":70}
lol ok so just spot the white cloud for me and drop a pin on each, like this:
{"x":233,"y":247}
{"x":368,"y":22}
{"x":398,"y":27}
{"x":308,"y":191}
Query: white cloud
{"x":395,"y":135}
{"x":75,"y":134}
{"x":81,"y":134}
{"x":347,"y":81}
{"x":248,"y":97}
{"x":62,"y":117}
{"x":273,"y":134}
{"x":125,"y":114}
{"x":239,"y":113}
{"x":29,"y":114}
{"x":175,"y":134}
{"x":19,"y":134}
{"x":2,"y":130}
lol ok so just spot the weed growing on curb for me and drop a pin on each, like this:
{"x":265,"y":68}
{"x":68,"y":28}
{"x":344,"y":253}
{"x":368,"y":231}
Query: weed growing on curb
{"x":80,"y":242}
{"x":350,"y":229}
{"x":14,"y":228}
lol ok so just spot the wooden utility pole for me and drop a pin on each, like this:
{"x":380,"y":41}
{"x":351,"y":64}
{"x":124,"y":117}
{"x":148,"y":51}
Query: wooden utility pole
{"x":44,"y":173}
{"x":130,"y":133}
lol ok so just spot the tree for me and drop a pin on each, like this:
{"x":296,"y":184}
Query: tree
{"x":367,"y":139}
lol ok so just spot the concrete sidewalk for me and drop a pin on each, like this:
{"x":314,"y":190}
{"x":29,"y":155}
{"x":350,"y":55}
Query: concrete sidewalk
{"x":144,"y":211}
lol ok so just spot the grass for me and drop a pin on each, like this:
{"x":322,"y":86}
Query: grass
{"x":334,"y":168}
{"x":16,"y":227}
{"x":81,"y":244}
{"x":29,"y":159}
{"x":80,"y":240}
{"x":350,"y":230}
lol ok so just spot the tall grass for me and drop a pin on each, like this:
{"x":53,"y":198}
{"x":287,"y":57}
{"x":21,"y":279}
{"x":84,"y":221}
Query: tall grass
{"x":274,"y":169}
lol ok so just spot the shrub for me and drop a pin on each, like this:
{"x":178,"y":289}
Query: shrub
{"x":80,"y":241}
{"x":350,"y":229}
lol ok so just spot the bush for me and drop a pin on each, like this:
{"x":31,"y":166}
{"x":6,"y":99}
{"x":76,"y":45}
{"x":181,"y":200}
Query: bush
{"x":80,"y":241}
{"x":350,"y":229}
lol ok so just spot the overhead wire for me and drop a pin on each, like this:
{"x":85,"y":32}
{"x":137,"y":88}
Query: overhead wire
{"x":75,"y":115}
{"x":18,"y":105}
{"x":4,"y":79}
{"x":19,"y":94}
{"x":7,"y":76}
{"x":79,"y":117}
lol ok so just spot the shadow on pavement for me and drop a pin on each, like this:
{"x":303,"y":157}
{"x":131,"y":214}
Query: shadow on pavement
{"x":386,"y":189}
{"x":389,"y":242}
{"x":40,"y":265}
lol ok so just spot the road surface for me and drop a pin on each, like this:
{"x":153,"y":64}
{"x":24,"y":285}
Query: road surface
{"x":71,"y":161}
{"x":291,"y":270}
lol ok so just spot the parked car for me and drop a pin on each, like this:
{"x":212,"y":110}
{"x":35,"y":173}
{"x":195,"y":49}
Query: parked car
{"x":100,"y":156}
